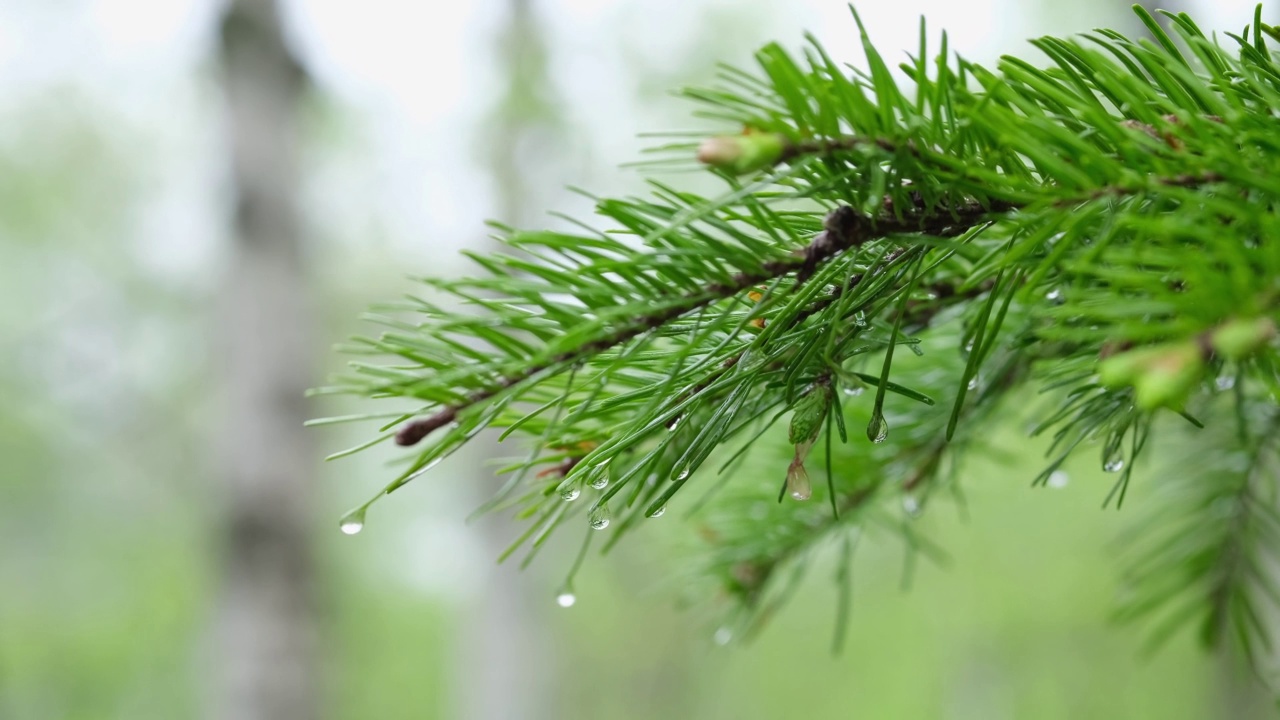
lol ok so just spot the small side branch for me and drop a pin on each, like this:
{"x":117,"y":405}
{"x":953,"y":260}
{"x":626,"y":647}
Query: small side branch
{"x":846,"y":229}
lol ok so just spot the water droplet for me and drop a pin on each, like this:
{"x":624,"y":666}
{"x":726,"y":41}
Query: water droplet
{"x":931,"y":296}
{"x":600,"y":517}
{"x":915,"y":348}
{"x":683,"y":474}
{"x":566,"y":599}
{"x":860,"y":319}
{"x":1114,"y":465}
{"x":1058,"y":479}
{"x":798,"y":481}
{"x":601,"y":482}
{"x":910,"y":505}
{"x":1226,"y":382}
{"x":353,"y":522}
{"x":853,"y":390}
{"x":1053,"y":296}
{"x":722,"y":636}
{"x":968,"y":347}
{"x":673,"y":423}
{"x":570,"y":494}
{"x":878,"y":428}
{"x":659,"y":512}
{"x":423,"y":470}
{"x":973,"y":383}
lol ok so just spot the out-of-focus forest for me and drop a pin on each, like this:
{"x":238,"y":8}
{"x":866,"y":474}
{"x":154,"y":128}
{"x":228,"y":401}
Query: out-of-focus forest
{"x":198,"y":199}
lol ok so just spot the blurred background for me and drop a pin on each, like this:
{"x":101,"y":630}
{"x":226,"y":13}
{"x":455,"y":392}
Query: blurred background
{"x":199,"y":198}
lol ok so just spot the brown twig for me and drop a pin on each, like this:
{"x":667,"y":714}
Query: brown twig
{"x":846,"y":228}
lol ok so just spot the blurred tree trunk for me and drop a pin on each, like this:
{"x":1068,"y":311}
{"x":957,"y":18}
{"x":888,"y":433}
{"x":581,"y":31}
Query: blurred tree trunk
{"x":265,"y":626}
{"x":508,"y":664}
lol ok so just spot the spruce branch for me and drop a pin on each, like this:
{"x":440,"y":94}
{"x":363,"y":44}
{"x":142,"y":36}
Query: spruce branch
{"x":1089,"y":244}
{"x":845,"y":229}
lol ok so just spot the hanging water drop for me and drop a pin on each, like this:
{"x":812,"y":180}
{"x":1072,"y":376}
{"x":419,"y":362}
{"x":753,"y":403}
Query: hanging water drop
{"x":1225,"y":382}
{"x":973,"y":383}
{"x":1053,"y":296}
{"x":566,"y":599}
{"x":1115,"y":464}
{"x":353,"y":522}
{"x":601,"y":482}
{"x":683,"y":474}
{"x":1058,"y":479}
{"x":910,"y":505}
{"x":853,"y":390}
{"x":599,"y":517}
{"x":915,"y":348}
{"x":878,"y":428}
{"x":722,"y":636}
{"x":570,"y":494}
{"x":798,"y":479}
{"x":673,"y":423}
{"x":659,"y":512}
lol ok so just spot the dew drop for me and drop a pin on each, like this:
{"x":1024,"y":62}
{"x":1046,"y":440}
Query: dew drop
{"x":878,"y":428}
{"x":659,"y":512}
{"x":1114,"y":465}
{"x":601,"y":482}
{"x":722,"y":636}
{"x":599,"y":517}
{"x":1058,"y":479}
{"x":910,"y":505}
{"x":915,"y":348}
{"x":673,"y":423}
{"x":798,"y":482}
{"x":423,"y":470}
{"x":973,"y":383}
{"x":570,"y":494}
{"x":853,"y":390}
{"x":1053,"y":296}
{"x":352,"y":522}
{"x":566,"y":599}
{"x":860,"y":319}
{"x":1226,"y":382}
{"x":683,"y":474}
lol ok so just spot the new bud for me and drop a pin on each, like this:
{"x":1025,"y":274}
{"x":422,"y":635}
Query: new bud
{"x":742,"y":154}
{"x":1237,"y":339}
{"x":1170,"y":377}
{"x":809,"y":413}
{"x":1161,"y":375}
